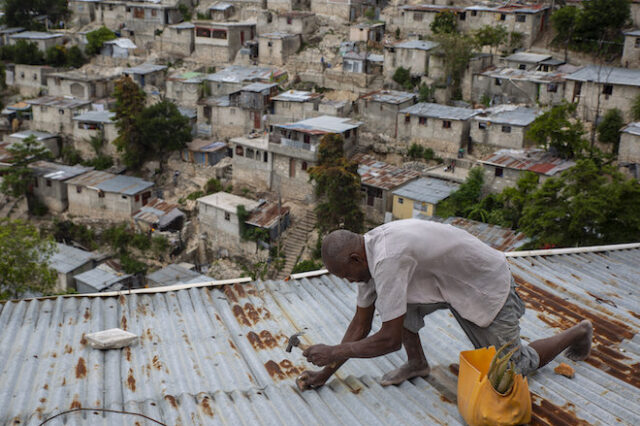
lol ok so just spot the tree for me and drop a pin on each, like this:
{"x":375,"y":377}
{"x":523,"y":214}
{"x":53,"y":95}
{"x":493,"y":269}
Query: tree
{"x":56,"y":56}
{"x":23,"y":264}
{"x":609,"y":128}
{"x":425,"y":93}
{"x":556,"y":131}
{"x":635,"y":108}
{"x":456,"y":50}
{"x":163,"y":129}
{"x":465,"y":199}
{"x":444,"y":23}
{"x":22,"y":13}
{"x":129,"y":104}
{"x":27,"y":53}
{"x":96,"y":38}
{"x":402,"y":76}
{"x":19,"y":177}
{"x":75,"y":57}
{"x":337,"y":187}
{"x":490,"y":36}
{"x":564,"y":21}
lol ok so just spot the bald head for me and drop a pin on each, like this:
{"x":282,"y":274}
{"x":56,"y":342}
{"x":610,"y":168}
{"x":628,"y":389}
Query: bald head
{"x":344,"y":255}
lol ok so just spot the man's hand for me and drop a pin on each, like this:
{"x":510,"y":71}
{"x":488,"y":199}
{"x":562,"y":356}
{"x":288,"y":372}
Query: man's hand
{"x":322,"y":355}
{"x":311,"y":380}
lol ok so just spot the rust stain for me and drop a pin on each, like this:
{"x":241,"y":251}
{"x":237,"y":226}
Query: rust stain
{"x":81,"y":369}
{"x":64,"y":381}
{"x":546,"y":413}
{"x":206,"y":407}
{"x":635,"y":314}
{"x":45,"y":387}
{"x":266,"y":314}
{"x":157,"y":364}
{"x":87,"y":315}
{"x":240,"y":316}
{"x":149,"y":335}
{"x":233,"y":346}
{"x":127,"y":353}
{"x":230,"y":294}
{"x":54,"y":355}
{"x":123,"y":322}
{"x":255,"y":341}
{"x":121,"y":299}
{"x":602,"y":300}
{"x":251,"y":290}
{"x":218,"y":318}
{"x":251,"y":312}
{"x":97,"y":402}
{"x":83,"y":340}
{"x":250,"y":378}
{"x":137,"y":423}
{"x":290,"y":369}
{"x":141,"y":309}
{"x":172,"y":400}
{"x":68,"y":349}
{"x":274,"y":370}
{"x":445,"y":399}
{"x":186,"y":338}
{"x":75,"y":403}
{"x":268,"y":339}
{"x":454,"y":368}
{"x":131,"y":381}
{"x":43,"y":400}
{"x":237,"y":287}
{"x":607,"y":331}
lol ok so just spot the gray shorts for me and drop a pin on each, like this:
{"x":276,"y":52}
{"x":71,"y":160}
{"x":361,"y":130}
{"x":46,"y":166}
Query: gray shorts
{"x":504,"y":328}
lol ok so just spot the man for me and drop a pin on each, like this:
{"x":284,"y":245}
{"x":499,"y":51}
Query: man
{"x":409,"y":268}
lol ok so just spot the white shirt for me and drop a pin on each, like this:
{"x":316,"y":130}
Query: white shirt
{"x":417,"y":261}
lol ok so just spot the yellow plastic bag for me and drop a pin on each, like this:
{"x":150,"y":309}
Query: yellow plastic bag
{"x":479,"y":403}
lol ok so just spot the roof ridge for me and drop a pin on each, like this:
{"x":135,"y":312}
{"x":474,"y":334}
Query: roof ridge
{"x":572,"y":250}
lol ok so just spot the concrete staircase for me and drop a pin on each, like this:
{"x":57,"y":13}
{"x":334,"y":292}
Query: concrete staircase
{"x":295,"y":241}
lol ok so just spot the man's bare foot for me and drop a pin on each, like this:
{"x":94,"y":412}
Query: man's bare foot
{"x":579,"y":351}
{"x":405,"y":372}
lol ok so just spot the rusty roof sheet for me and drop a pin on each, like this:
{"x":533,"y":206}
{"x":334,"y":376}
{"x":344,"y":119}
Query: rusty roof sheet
{"x":503,"y":239}
{"x":534,"y":160}
{"x":266,"y":215}
{"x":215,"y":354}
{"x":380,"y":174}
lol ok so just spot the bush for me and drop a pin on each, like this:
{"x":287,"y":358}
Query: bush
{"x":140,"y":241}
{"x":28,"y":53}
{"x":195,"y":195}
{"x":159,"y":245}
{"x":417,"y":151}
{"x":37,"y":207}
{"x":370,"y":13}
{"x":131,"y":265}
{"x":75,"y":57}
{"x":56,"y":56}
{"x":212,"y":186}
{"x":69,"y":231}
{"x":71,"y":156}
{"x":96,"y":38}
{"x":118,"y":237}
{"x":306,"y":266}
{"x":402,"y":76}
{"x":185,"y":12}
{"x":101,"y":162}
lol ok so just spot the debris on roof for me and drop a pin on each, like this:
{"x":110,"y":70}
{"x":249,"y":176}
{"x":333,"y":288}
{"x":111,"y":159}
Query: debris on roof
{"x":533,"y":160}
{"x":101,"y":278}
{"x":159,"y":214}
{"x":296,"y":96}
{"x":380,"y":174}
{"x":55,"y":171}
{"x":427,"y":190}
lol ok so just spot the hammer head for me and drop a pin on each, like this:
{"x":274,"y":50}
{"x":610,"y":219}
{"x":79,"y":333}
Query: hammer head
{"x":294,"y":341}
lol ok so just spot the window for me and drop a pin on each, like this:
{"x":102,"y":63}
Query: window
{"x":637,"y":45}
{"x":503,"y":17}
{"x":607,"y":89}
{"x":498,"y":82}
{"x":250,"y":153}
{"x":35,"y":182}
{"x":227,"y":216}
{"x":289,"y":20}
{"x":137,"y":198}
{"x":239,"y":151}
{"x":219,"y":34}
{"x":417,"y":16}
{"x":446,"y":124}
{"x":521,"y":18}
{"x":21,"y":75}
{"x":138,"y":13}
{"x":78,"y":189}
{"x":462,"y":16}
{"x":203,"y":32}
{"x":61,"y":111}
{"x":269,"y":44}
{"x":48,"y":182}
{"x":474,"y":13}
{"x":400,"y":200}
{"x":407,"y":118}
{"x":265,"y":157}
{"x":100,"y":193}
{"x":154,"y":12}
{"x":522,"y":67}
{"x":124,"y":197}
{"x":498,"y":172}
{"x":347,"y":134}
{"x":506,"y":129}
{"x":306,"y":139}
{"x":482,"y":126}
{"x":304,"y":165}
{"x":552,"y":87}
{"x":422,"y":121}
{"x":35,"y":77}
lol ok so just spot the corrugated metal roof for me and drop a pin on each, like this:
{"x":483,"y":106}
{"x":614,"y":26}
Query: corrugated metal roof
{"x":40,"y":136}
{"x":55,"y":171}
{"x":416,"y":44}
{"x":107,"y":182}
{"x":173,"y":274}
{"x":267,"y":215}
{"x":203,"y":145}
{"x":123,"y":43}
{"x":427,"y":190}
{"x":634,"y":33}
{"x":632,"y":128}
{"x":67,"y":258}
{"x":241,"y":73}
{"x":509,"y":114}
{"x":183,"y":26}
{"x":258,"y":87}
{"x":323,"y":124}
{"x":215,"y":355}
{"x":607,"y":75}
{"x":144,"y":69}
{"x":527,"y":57}
{"x":534,"y":160}
{"x":529,"y":75}
{"x":96,"y":116}
{"x":380,"y":174}
{"x":220,"y":6}
{"x":499,"y":238}
{"x":58,"y":102}
{"x":296,"y":96}
{"x":425,"y":109}
{"x":158,"y":211}
{"x":34,"y":35}
{"x":102,"y":278}
{"x":388,"y":96}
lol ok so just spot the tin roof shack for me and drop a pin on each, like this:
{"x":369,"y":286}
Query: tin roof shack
{"x":174,"y":274}
{"x":219,"y":42}
{"x":103,"y":278}
{"x":49,"y":183}
{"x":420,"y":197}
{"x":294,"y":105}
{"x":509,"y":85}
{"x":362,"y":62}
{"x":380,"y":110}
{"x":272,"y":219}
{"x":504,"y":167}
{"x":158,"y":215}
{"x":294,"y":148}
{"x":252,"y":164}
{"x":204,"y":152}
{"x":41,"y":39}
{"x":275,"y":48}
{"x":68,"y":262}
{"x":528,"y":61}
{"x":605,"y":87}
{"x":87,"y":84}
{"x":631,"y":50}
{"x":55,"y":114}
{"x":5,"y":33}
{"x":147,"y":75}
{"x":413,"y":54}
{"x":234,"y":77}
{"x":629,"y":149}
{"x":501,"y":239}
{"x":105,"y":195}
{"x":444,"y":129}
{"x":368,"y":32}
{"x":92,"y":124}
{"x":120,"y":48}
{"x":30,"y":80}
{"x":50,"y":141}
{"x":178,"y":40}
{"x":20,"y":111}
{"x":378,"y":179}
{"x":185,"y":88}
{"x":503,"y":126}
{"x":221,"y":11}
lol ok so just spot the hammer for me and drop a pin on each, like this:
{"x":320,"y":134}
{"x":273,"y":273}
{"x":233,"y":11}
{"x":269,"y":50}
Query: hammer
{"x":295,"y":341}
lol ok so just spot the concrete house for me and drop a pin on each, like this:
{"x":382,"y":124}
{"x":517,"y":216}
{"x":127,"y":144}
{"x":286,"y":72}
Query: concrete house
{"x":221,"y":11}
{"x":30,"y":80}
{"x":631,"y":49}
{"x":503,"y":168}
{"x":380,"y":110}
{"x":294,"y":149}
{"x":234,"y":77}
{"x":377,"y":180}
{"x":68,"y":262}
{"x":103,"y":278}
{"x":252,"y":162}
{"x":144,"y":18}
{"x":5,"y":33}
{"x":606,"y":87}
{"x":419,"y":198}
{"x":204,"y":152}
{"x":503,"y":126}
{"x":121,"y":48}
{"x":219,"y":42}
{"x":41,"y":39}
{"x":102,"y":194}
{"x":298,"y":22}
{"x":275,"y":48}
{"x":445,"y":129}
{"x":270,"y":217}
{"x":158,"y":215}
{"x":147,"y":75}
{"x":178,"y":39}
{"x":50,"y":141}
{"x":185,"y":88}
{"x":88,"y":84}
{"x":49,"y":183}
{"x":55,"y":114}
{"x":362,"y":62}
{"x":218,"y":216}
{"x":347,"y":10}
{"x":92,"y":124}
{"x":530,"y":61}
{"x":367,"y":32}
{"x":256,"y":99}
{"x":417,"y":19}
{"x":294,"y":105}
{"x":629,"y":149}
{"x":412,"y":54}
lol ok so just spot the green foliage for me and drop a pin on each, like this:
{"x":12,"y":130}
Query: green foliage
{"x":71,"y":156}
{"x":564,"y":21}
{"x":464,"y":200}
{"x":398,"y":33}
{"x":515,"y":41}
{"x":185,"y":12}
{"x":129,"y":104}
{"x":425,"y":93}
{"x":100,"y":162}
{"x":56,"y":56}
{"x":159,"y":246}
{"x":195,"y":195}
{"x":306,"y":266}
{"x":141,"y":241}
{"x":17,"y":179}
{"x":444,"y":23}
{"x":485,"y":100}
{"x":96,"y":38}
{"x":22,"y":13}
{"x":205,"y":88}
{"x":75,"y":57}
{"x":212,"y":186}
{"x":337,"y":186}
{"x":67,"y":231}
{"x":201,"y":16}
{"x":37,"y":207}
{"x":23,"y":264}
{"x":370,"y":13}
{"x":402,"y":76}
{"x":118,"y":237}
{"x":456,"y":50}
{"x":492,"y":36}
{"x":609,"y":128}
{"x":416,"y":151}
{"x":27,"y":53}
{"x":248,"y":232}
{"x":556,"y":131}
{"x":635,"y":108}
{"x":130,"y":265}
